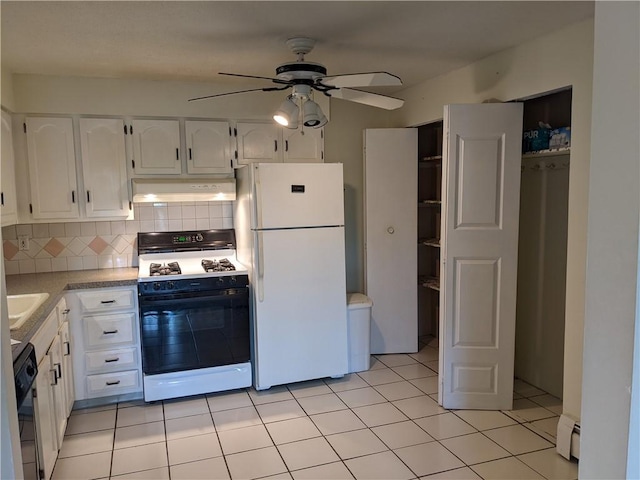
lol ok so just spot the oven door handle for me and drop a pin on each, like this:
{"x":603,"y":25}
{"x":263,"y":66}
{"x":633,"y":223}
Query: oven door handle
{"x":260,"y":263}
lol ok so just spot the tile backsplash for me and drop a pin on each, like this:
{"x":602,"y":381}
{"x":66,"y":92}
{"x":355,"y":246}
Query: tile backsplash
{"x":56,"y":247}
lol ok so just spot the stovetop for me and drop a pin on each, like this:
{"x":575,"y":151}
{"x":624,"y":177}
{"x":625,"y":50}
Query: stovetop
{"x":178,"y":265}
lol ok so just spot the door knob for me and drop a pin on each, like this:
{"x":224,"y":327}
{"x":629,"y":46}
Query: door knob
{"x":390,"y":231}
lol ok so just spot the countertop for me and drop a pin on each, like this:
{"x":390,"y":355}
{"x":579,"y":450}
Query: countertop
{"x":56,"y":284}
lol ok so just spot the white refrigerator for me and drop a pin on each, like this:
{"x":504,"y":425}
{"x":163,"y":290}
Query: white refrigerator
{"x":289,"y":222}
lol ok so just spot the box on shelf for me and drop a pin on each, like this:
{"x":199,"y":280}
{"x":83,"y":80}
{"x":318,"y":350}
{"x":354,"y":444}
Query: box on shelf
{"x":535,"y":140}
{"x":560,"y":138}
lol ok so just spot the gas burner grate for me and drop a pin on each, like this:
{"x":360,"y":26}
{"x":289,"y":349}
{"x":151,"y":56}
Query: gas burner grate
{"x":222,"y":265}
{"x":171,"y":268}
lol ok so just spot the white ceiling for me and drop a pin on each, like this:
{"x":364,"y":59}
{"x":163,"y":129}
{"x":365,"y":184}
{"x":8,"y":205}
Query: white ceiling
{"x":193,"y":41}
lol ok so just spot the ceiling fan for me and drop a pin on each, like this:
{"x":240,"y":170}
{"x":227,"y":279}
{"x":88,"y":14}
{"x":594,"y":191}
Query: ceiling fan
{"x":303,"y":77}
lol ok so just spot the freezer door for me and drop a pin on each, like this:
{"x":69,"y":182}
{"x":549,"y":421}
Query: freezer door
{"x":300,"y":313}
{"x":298,"y":195}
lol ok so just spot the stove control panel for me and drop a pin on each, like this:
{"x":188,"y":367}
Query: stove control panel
{"x":188,"y":238}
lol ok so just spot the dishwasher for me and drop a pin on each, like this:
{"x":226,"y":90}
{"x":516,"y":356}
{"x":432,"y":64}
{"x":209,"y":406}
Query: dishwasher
{"x":25,"y":370}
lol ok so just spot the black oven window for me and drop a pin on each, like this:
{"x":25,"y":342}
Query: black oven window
{"x":201,"y":335}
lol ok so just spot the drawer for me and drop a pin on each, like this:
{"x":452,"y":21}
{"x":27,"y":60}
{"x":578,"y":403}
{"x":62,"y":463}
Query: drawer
{"x":104,"y":300}
{"x":113,"y":383}
{"x":103,"y":330}
{"x":109,"y":360}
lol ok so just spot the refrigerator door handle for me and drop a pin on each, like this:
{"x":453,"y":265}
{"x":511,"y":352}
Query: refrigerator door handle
{"x":258,"y":199}
{"x":260,"y":263}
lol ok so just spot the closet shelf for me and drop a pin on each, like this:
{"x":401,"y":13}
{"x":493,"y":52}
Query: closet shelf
{"x":547,"y":153}
{"x":434,"y":161}
{"x":430,"y":282}
{"x":431,"y":242}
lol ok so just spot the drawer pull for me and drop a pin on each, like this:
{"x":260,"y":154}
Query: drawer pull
{"x":104,"y":302}
{"x":113,"y":383}
{"x":111,"y":360}
{"x":55,"y":376}
{"x":68,"y":352}
{"x":58,"y":366}
{"x":110,"y":332}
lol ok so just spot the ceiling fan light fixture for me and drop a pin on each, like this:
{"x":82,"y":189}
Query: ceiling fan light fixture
{"x":312,"y":115}
{"x":287,"y":114}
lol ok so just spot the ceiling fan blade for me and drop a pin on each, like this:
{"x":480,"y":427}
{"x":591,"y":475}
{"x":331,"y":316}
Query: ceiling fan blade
{"x":370,"y":79}
{"x":366,"y":98}
{"x":268,"y":89}
{"x":275,"y":80}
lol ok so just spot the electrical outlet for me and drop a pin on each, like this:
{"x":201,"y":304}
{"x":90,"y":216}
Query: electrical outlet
{"x":23,"y":242}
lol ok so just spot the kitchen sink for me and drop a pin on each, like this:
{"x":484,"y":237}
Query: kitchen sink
{"x":21,"y":307}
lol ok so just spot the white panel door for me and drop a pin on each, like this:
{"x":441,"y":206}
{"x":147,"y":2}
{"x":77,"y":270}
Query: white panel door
{"x":104,"y":167}
{"x":52,"y":168}
{"x":391,"y":238}
{"x":303,"y":145}
{"x":258,"y":142}
{"x":208,"y":147}
{"x":156,"y":146}
{"x":298,"y":195}
{"x":300,"y":320}
{"x":481,"y":188}
{"x":8,"y":204}
{"x":44,"y":417}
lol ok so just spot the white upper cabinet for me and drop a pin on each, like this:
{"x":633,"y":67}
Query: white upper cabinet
{"x":52,"y":170}
{"x":104,"y":167}
{"x":156,"y":146}
{"x":8,"y":212}
{"x":267,"y":142}
{"x":257,"y":142}
{"x":302,"y":146}
{"x":208,"y":147}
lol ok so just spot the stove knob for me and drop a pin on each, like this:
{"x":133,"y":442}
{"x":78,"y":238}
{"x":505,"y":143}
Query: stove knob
{"x":171,"y":285}
{"x":199,"y":237}
{"x":156,"y":286}
{"x":31,"y":371}
{"x":220,"y":280}
{"x":233,"y":280}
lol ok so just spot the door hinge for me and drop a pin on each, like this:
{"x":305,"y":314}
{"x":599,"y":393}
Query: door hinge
{"x":231,"y":162}
{"x":2,"y":198}
{"x":130,"y":206}
{"x":235,"y":132}
{"x":236,"y":154}
{"x":322,"y":155}
{"x":30,"y":208}
{"x":24,"y":127}
{"x":133,"y":164}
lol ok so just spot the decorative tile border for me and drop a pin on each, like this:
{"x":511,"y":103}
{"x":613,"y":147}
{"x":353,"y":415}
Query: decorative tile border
{"x":55,"y":247}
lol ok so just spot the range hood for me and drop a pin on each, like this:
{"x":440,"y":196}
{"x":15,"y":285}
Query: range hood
{"x":183,"y":189}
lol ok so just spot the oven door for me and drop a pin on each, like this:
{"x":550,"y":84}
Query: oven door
{"x":186,"y":331}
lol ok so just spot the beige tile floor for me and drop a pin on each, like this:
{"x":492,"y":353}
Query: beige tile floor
{"x":384,"y":423}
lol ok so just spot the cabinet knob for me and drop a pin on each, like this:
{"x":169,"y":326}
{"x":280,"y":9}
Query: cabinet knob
{"x":390,"y":230}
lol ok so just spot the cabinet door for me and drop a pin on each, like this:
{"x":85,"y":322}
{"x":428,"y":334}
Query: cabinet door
{"x":67,"y":368}
{"x":52,"y":170}
{"x":104,"y":167}
{"x":391,"y":209}
{"x":58,"y":388}
{"x":8,"y":210}
{"x":303,"y":145}
{"x":156,"y":146}
{"x":258,"y":142}
{"x":44,"y":415}
{"x":208,"y":147}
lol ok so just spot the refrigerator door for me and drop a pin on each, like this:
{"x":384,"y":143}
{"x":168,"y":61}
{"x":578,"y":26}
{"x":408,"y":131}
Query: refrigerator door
{"x":291,"y":195}
{"x":300,"y":312}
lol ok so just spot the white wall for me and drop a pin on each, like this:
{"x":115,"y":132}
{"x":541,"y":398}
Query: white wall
{"x":612,"y":253}
{"x":564,"y":58}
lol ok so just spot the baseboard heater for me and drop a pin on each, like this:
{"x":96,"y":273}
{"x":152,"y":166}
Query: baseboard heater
{"x":568,"y":438}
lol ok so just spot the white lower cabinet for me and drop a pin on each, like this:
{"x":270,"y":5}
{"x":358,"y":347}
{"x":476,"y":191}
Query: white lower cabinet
{"x":54,"y":395}
{"x":106,"y":351}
